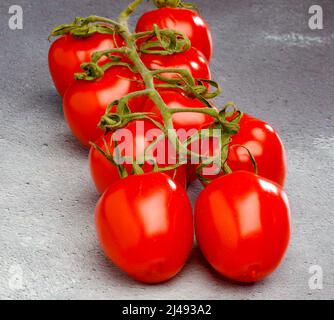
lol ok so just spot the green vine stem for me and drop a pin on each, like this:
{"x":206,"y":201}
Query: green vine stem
{"x":170,"y":42}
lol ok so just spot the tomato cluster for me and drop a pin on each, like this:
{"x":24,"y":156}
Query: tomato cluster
{"x":159,"y":78}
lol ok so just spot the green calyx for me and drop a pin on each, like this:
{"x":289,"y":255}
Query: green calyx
{"x":174,"y":4}
{"x":82,"y":28}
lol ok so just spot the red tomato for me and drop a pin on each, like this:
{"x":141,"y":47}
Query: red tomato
{"x":85,"y":102}
{"x":192,"y":60}
{"x":243,"y":226}
{"x":262,"y":141}
{"x":266,"y":147}
{"x":183,"y":120}
{"x":104,"y":173}
{"x":67,"y":53}
{"x":183,"y":20}
{"x":145,"y":226}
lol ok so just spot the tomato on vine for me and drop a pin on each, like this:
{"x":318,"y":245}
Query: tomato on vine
{"x":243,"y":225}
{"x":145,"y":226}
{"x":140,"y":133}
{"x":255,"y":139}
{"x":192,"y":60}
{"x":162,"y":80}
{"x":68,"y":52}
{"x":264,"y":144}
{"x":184,"y":20}
{"x":85,"y":102}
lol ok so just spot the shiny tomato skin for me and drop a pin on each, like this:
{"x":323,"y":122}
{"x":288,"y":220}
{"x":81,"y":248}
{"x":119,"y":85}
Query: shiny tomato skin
{"x":192,"y":60}
{"x":266,"y":147}
{"x":85,"y":102}
{"x":67,"y":53}
{"x":145,"y":226}
{"x":184,"y":20}
{"x":105,"y":173}
{"x":243,"y":225}
{"x":262,"y":141}
{"x":182,"y":120}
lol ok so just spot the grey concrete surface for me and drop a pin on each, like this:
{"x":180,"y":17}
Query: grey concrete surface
{"x":267,"y":60}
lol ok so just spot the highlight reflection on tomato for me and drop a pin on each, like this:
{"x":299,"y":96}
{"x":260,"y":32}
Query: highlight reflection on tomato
{"x":243,"y":225}
{"x":85,"y":102}
{"x":145,"y":226}
{"x":104,"y":173}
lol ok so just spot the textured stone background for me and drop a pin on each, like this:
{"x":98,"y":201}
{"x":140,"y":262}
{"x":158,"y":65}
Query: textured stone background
{"x":267,"y":60}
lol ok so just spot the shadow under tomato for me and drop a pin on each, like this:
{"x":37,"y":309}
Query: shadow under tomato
{"x":198,"y":258}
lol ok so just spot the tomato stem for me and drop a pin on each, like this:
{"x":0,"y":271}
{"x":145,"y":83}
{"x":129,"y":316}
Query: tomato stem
{"x":170,"y":42}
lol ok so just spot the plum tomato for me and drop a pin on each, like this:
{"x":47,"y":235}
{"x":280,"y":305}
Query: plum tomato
{"x":67,"y":53}
{"x":266,"y":146}
{"x":261,"y":140}
{"x":145,"y":226}
{"x":85,"y":102}
{"x":243,"y":225}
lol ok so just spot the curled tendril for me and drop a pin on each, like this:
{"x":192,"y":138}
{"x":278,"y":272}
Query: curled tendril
{"x":83,"y":27}
{"x":163,"y":41}
{"x":92,"y":72}
{"x":114,"y":121}
{"x":201,"y":92}
{"x":231,"y":126}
